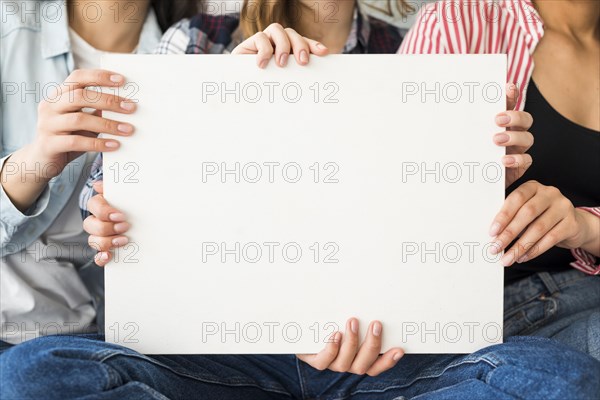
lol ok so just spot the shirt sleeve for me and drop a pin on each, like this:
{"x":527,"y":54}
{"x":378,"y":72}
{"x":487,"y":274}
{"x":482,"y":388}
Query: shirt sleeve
{"x":176,"y":39}
{"x":11,"y":218}
{"x":96,"y":174}
{"x":425,"y":36}
{"x":584,"y":261}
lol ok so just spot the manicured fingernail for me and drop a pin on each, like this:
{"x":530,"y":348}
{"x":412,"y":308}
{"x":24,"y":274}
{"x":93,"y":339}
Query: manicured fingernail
{"x":502,"y":119}
{"x":116,"y":78}
{"x":397,"y":356}
{"x":508,"y":258}
{"x":377,"y":329}
{"x":121,"y":227}
{"x":320,"y":46}
{"x":120,"y":241}
{"x":125,"y":128}
{"x":337,"y":337}
{"x":111,"y":144}
{"x":303,"y":56}
{"x":523,"y":259}
{"x":263,"y":64}
{"x":354,"y":326}
{"x":508,"y":160}
{"x":128,"y":105}
{"x":283,"y":59}
{"x":116,"y":217}
{"x":103,"y":256}
{"x":495,"y":247}
{"x":495,"y":229}
{"x":501,"y":138}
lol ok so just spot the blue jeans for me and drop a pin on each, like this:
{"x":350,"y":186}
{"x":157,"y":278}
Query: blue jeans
{"x":564,"y":306}
{"x":84,"y":367}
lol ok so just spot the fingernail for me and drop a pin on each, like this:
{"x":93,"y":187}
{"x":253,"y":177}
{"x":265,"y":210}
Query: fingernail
{"x":495,"y":229}
{"x":125,"y":128}
{"x":112,"y":144}
{"x":508,"y":160}
{"x":496,"y":247}
{"x":102,"y":256}
{"x":502,"y":119}
{"x":376,"y":329}
{"x":354,"y":326}
{"x":303,"y":57}
{"x":283,"y":59}
{"x":116,"y":217}
{"x":120,"y":241}
{"x":121,"y":227}
{"x":508,"y":258}
{"x":321,"y":46}
{"x":501,"y":138}
{"x":128,"y":105}
{"x":523,"y":259}
{"x":397,"y":356}
{"x":263,"y":64}
{"x":116,"y":78}
{"x":337,"y":337}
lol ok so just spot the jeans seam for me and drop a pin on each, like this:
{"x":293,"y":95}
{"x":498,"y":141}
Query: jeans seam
{"x":301,"y":378}
{"x":197,"y":377}
{"x":494,"y":363}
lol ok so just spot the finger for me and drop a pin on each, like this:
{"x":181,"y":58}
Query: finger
{"x":279,"y":39}
{"x":84,"y":98}
{"x":533,"y":233}
{"x":549,"y":240}
{"x":103,"y":258}
{"x":325,"y":357}
{"x":100,"y":208}
{"x":511,"y":206}
{"x":81,"y":121}
{"x":514,"y":141}
{"x":518,"y":162}
{"x":512,"y":95}
{"x":258,"y":44}
{"x":369,"y":350}
{"x":98,"y":187}
{"x":78,"y":143}
{"x":96,"y":227}
{"x":317,"y":48}
{"x":385,"y":361}
{"x":106,"y":243}
{"x":299,"y":46}
{"x":348,"y":349}
{"x":528,"y":213}
{"x":81,"y":78}
{"x":514,"y":120}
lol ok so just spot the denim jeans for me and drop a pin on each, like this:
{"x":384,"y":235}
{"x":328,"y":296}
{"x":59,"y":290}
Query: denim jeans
{"x":564,"y":306}
{"x":84,"y":367}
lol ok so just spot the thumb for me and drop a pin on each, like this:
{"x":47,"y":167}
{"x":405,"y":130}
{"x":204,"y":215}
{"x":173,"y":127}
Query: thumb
{"x":512,"y":95}
{"x":98,"y":187}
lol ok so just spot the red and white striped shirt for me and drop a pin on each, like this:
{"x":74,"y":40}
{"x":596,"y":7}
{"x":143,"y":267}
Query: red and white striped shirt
{"x":511,"y":27}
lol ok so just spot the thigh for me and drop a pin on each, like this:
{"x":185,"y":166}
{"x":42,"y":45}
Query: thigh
{"x":521,"y":368}
{"x":563,"y":306}
{"x":84,"y":366}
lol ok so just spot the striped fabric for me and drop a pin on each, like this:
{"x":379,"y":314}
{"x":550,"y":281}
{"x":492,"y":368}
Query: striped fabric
{"x":511,"y":27}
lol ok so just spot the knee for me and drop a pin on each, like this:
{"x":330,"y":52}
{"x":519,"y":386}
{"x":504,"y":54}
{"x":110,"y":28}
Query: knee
{"x":50,"y":367}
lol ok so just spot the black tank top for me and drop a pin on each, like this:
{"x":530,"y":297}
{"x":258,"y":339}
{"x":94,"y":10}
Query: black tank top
{"x":567,"y":156}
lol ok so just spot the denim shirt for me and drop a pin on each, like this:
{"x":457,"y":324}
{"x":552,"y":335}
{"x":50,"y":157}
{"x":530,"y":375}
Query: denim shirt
{"x":35,"y":57}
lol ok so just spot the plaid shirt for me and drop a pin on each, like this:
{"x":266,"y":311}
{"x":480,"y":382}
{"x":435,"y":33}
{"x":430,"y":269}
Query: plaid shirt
{"x":210,"y":34}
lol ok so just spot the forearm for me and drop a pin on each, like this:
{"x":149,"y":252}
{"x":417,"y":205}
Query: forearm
{"x":21,"y":178}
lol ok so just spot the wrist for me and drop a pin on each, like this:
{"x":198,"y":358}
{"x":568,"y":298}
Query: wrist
{"x":589,"y":238}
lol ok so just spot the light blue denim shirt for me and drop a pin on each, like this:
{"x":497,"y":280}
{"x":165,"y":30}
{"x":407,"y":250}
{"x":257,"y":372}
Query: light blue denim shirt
{"x":35,"y":57}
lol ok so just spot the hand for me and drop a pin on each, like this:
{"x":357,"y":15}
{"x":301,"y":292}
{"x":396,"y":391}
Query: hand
{"x":282,"y":42}
{"x":65,"y":132}
{"x":343,"y":354}
{"x":106,"y":226}
{"x":516,"y":139}
{"x":543,"y":217}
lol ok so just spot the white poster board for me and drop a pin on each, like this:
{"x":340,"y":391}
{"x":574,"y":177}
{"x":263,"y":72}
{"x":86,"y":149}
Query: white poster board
{"x":269,"y":206}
